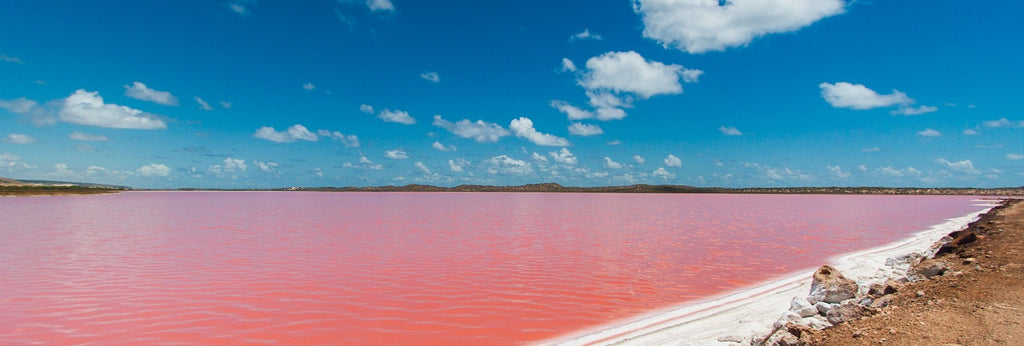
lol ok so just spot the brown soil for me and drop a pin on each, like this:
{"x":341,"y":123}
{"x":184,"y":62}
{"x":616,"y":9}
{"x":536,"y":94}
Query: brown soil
{"x":979,"y":301}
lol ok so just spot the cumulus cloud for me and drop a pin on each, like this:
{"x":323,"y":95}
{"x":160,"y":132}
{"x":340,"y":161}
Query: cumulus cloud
{"x":523,"y":128}
{"x":380,"y":5}
{"x":309,"y":86}
{"x":397,"y":154}
{"x":14,"y":59}
{"x":1003,"y":122}
{"x":970,"y":132}
{"x":396,"y":116}
{"x":895,"y":172}
{"x":423,"y":168}
{"x":87,"y":108}
{"x":639,"y":159}
{"x":838,"y":172}
{"x":564,"y":156}
{"x":568,"y":65}
{"x":457,"y":164}
{"x":910,"y":110}
{"x":442,"y":147}
{"x":431,"y":76}
{"x":662,"y":173}
{"x":504,"y":165}
{"x":268,"y":167}
{"x":239,"y":7}
{"x":929,"y":133}
{"x":364,"y":163}
{"x":292,"y":134}
{"x":585,"y":35}
{"x":17,"y":138}
{"x":365,"y":108}
{"x":673,"y":161}
{"x":539,"y":157}
{"x":19,"y":105}
{"x":1012,"y":156}
{"x":964,"y":166}
{"x":140,"y":91}
{"x":629,"y":72}
{"x":730,"y":131}
{"x":225,"y":104}
{"x":579,"y":129}
{"x":573,"y":112}
{"x":78,"y":136}
{"x":479,"y":131}
{"x":698,"y":26}
{"x":152,"y":170}
{"x":871,"y":150}
{"x":234,"y":165}
{"x":779,"y":174}
{"x":349,"y":141}
{"x":608,"y":163}
{"x":204,"y":105}
{"x":858,"y":96}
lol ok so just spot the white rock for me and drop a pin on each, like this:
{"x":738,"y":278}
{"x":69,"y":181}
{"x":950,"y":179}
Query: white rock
{"x":824,"y":307}
{"x":730,"y":338}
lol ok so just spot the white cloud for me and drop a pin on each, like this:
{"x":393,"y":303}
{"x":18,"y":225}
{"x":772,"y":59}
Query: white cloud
{"x":564,"y":156}
{"x":397,"y":154}
{"x":964,"y":166}
{"x":13,"y":59}
{"x":871,"y":150}
{"x":970,"y":132}
{"x":910,"y":110}
{"x":17,"y":138}
{"x":613,"y":142}
{"x":238,"y":8}
{"x":673,"y":161}
{"x":78,"y":136}
{"x":309,"y":86}
{"x":639,"y":159}
{"x":608,"y":105}
{"x":698,"y":26}
{"x":838,"y":172}
{"x":87,"y":108}
{"x":479,"y":131}
{"x":442,"y":147}
{"x":730,"y":131}
{"x":929,"y":133}
{"x":419,"y":165}
{"x":523,"y":128}
{"x":608,"y":163}
{"x":268,"y":167}
{"x":204,"y":105}
{"x":1012,"y":156}
{"x":364,"y":163}
{"x":457,"y":165}
{"x":234,"y":165}
{"x":779,"y":174}
{"x":858,"y":96}
{"x":294,"y":133}
{"x":140,"y":91}
{"x":349,"y":141}
{"x":380,"y":5}
{"x":579,"y":129}
{"x":61,"y":170}
{"x":152,"y":170}
{"x":19,"y":105}
{"x":431,"y":76}
{"x":585,"y":35}
{"x":225,"y":104}
{"x":573,"y":112}
{"x":396,"y":116}
{"x":365,"y":108}
{"x":539,"y":157}
{"x":505,"y":165}
{"x":629,"y":72}
{"x":662,"y":173}
{"x":1003,"y":122}
{"x":568,"y":65}
{"x":10,"y":161}
{"x":894,"y":172}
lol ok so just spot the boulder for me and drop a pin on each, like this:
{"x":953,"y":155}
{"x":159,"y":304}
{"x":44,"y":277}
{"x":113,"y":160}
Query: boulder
{"x":929,"y":268}
{"x":823,"y":307}
{"x":802,"y":307}
{"x":850,"y":311}
{"x":889,"y":287}
{"x":830,"y":286}
{"x":881,"y":302}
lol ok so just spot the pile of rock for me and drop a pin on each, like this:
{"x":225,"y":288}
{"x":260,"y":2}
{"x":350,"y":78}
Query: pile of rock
{"x":835,"y":299}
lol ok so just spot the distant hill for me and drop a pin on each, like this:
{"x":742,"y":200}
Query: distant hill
{"x":9,"y":182}
{"x":643,"y":188}
{"x":12,"y":187}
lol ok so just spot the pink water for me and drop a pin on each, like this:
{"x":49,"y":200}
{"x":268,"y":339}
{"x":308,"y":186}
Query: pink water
{"x":404,"y":268}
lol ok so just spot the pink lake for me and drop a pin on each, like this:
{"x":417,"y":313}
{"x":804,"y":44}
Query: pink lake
{"x":405,"y":268}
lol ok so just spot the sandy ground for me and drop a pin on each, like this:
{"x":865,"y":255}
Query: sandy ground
{"x":980,"y":301}
{"x":752,"y":312}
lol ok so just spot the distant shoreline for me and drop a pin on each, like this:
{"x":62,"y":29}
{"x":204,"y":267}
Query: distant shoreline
{"x":44,"y":190}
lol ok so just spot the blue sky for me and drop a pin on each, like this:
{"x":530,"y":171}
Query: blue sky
{"x":266,"y":93}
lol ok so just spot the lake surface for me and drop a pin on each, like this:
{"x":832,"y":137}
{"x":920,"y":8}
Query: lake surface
{"x":405,"y":268}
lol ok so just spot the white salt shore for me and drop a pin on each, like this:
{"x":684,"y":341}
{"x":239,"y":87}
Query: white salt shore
{"x":752,"y":311}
